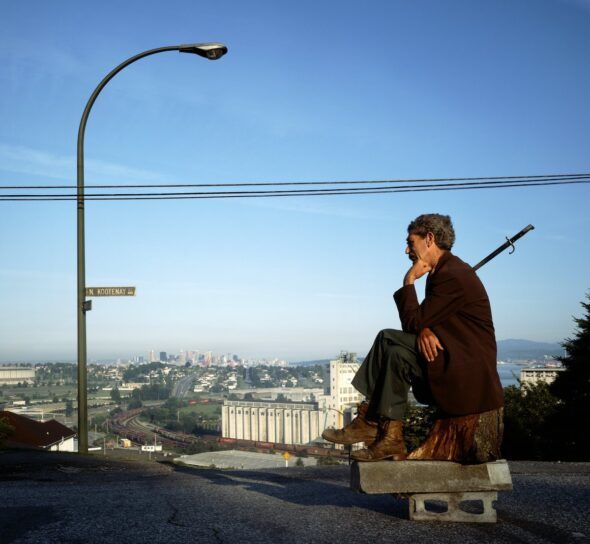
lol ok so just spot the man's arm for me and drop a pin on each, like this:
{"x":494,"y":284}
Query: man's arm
{"x":445,"y":298}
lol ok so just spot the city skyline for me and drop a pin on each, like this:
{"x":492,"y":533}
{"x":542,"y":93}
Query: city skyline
{"x":307,"y":92}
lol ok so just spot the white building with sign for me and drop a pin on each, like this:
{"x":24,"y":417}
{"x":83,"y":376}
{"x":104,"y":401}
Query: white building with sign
{"x":537,"y":375}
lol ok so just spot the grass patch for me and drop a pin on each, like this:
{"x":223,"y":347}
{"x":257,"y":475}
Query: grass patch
{"x":210,"y":410}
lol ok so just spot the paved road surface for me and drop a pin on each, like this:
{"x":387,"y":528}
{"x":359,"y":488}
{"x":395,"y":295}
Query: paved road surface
{"x":64,"y":498}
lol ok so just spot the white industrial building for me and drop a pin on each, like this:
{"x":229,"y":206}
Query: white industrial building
{"x":295,"y":422}
{"x":279,"y":422}
{"x":12,"y":375}
{"x":342,"y":396}
{"x":537,"y":375}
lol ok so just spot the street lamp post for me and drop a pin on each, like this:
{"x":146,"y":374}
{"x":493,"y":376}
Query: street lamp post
{"x":211,"y":51}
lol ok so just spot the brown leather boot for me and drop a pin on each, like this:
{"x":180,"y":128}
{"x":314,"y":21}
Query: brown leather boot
{"x":388,"y":445}
{"x":360,"y":429}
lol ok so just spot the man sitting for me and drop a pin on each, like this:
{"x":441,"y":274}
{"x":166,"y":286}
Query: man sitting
{"x":446,"y":351}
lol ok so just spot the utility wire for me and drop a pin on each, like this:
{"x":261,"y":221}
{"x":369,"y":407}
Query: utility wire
{"x":303,"y":192}
{"x":352,"y":190}
{"x":301,"y":183}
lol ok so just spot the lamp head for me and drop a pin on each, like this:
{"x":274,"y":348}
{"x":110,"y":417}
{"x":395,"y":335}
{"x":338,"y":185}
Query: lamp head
{"x":211,"y":51}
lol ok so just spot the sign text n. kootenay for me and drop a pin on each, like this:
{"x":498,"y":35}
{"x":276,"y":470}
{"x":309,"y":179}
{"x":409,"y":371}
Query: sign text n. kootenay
{"x":110,"y":291}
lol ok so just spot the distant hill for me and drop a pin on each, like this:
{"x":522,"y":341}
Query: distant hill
{"x":527,"y":349}
{"x":507,"y":349}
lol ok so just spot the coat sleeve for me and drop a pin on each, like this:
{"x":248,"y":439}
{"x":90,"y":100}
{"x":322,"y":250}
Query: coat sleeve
{"x":444,"y":297}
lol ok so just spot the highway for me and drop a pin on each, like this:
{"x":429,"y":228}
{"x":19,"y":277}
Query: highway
{"x":183,"y":386}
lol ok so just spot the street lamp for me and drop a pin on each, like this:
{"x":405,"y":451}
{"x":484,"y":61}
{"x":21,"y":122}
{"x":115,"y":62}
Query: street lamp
{"x":211,"y":51}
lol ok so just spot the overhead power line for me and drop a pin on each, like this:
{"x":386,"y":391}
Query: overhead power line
{"x":413,"y":185}
{"x":499,"y":179}
{"x":346,"y":190}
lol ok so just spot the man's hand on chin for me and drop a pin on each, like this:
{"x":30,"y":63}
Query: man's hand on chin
{"x":418,"y":269}
{"x":428,"y":344}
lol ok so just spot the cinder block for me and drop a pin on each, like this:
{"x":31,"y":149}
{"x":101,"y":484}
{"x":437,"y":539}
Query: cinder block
{"x":418,"y":511}
{"x":411,"y":477}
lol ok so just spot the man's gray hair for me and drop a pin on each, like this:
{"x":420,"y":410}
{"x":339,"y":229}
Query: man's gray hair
{"x":440,"y":225}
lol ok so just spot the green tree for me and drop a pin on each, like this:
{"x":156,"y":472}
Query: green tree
{"x":99,"y":420}
{"x":116,"y":395}
{"x":173,"y":403}
{"x":152,"y":392}
{"x":6,"y":429}
{"x":418,"y":420}
{"x":134,"y":403}
{"x":527,"y":411}
{"x":328,"y":460}
{"x":568,"y":427}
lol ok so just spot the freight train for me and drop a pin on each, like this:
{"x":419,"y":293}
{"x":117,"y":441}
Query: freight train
{"x":297,"y":449}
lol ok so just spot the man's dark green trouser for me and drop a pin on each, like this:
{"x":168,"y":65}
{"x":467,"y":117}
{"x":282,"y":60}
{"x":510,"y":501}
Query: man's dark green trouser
{"x":391,"y":367}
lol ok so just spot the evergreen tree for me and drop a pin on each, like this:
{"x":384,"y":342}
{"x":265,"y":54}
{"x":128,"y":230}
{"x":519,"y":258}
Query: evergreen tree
{"x":69,"y":408}
{"x":527,"y":411}
{"x":6,"y":429}
{"x":569,"y":427}
{"x":116,"y":395}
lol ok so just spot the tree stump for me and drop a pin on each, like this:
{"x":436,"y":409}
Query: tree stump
{"x":470,"y":439}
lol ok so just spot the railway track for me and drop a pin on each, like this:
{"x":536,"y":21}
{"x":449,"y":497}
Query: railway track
{"x":129,"y":426}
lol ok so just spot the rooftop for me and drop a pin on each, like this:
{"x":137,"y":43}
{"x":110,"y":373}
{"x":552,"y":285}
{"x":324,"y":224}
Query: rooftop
{"x":35,"y":434}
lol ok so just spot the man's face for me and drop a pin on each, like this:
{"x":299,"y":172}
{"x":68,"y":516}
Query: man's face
{"x":416,"y":247}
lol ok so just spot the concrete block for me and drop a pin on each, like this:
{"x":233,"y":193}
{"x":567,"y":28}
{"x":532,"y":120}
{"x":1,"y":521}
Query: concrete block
{"x":418,"y":511}
{"x":442,"y":481}
{"x":410,"y":477}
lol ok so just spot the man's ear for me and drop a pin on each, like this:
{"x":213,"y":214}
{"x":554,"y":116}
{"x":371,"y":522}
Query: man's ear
{"x":429,"y":239}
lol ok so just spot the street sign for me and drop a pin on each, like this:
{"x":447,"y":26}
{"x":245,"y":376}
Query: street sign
{"x":155,"y":447}
{"x":110,"y":291}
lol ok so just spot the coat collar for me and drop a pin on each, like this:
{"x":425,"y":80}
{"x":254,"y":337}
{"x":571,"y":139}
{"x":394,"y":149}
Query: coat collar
{"x":441,"y":262}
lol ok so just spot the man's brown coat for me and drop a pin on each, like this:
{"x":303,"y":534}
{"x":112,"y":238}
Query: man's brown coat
{"x":463,"y":377}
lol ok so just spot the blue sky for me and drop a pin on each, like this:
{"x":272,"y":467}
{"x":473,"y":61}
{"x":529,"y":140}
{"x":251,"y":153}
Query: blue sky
{"x":308,"y":91}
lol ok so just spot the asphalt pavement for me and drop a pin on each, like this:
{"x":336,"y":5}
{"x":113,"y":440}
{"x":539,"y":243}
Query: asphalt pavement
{"x":68,"y":498}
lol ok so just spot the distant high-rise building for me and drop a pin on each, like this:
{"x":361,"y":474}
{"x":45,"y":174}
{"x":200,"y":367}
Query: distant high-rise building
{"x":181,"y":357}
{"x":193,"y":356}
{"x":152,"y":357}
{"x":343,"y":397}
{"x":163,"y":357}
